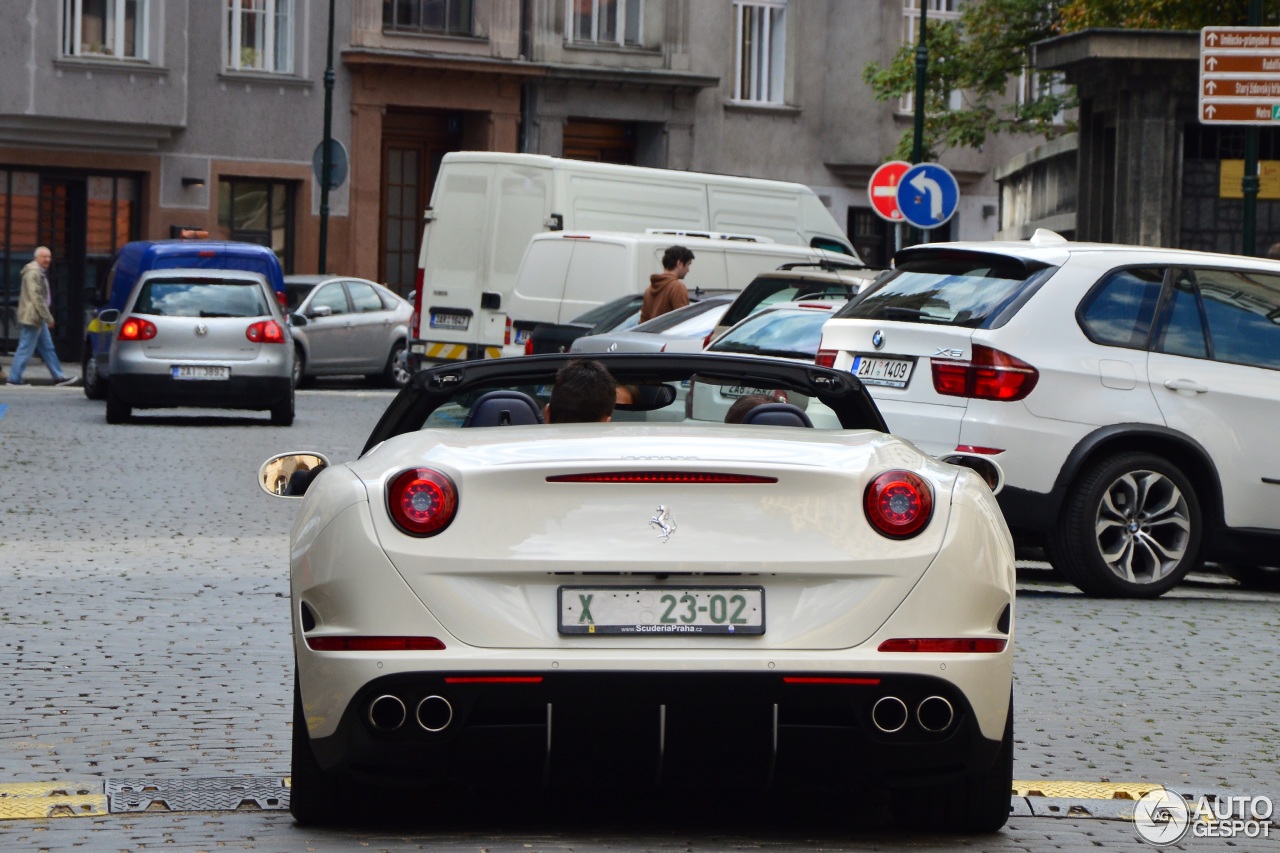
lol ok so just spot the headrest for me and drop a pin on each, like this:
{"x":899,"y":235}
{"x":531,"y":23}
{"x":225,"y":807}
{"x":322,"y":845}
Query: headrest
{"x":503,"y":408}
{"x":777,"y":414}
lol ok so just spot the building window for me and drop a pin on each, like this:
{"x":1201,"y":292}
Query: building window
{"x":605,"y":21}
{"x":260,"y":35}
{"x":760,"y":52}
{"x":254,"y":210}
{"x":113,"y":28}
{"x":939,"y":10}
{"x":452,"y":17}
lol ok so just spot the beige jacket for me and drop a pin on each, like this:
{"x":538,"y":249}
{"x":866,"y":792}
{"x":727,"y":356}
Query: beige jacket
{"x":33,"y":304}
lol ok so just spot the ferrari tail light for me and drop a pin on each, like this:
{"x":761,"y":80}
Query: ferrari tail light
{"x":422,"y":502}
{"x":898,"y":504}
{"x":991,"y":375}
{"x":829,"y":679}
{"x":265,"y":332}
{"x":493,"y":679}
{"x":416,"y":320}
{"x":374,"y":644}
{"x":137,"y":329}
{"x":946,"y":645}
{"x":699,"y":477}
{"x":825,"y":358}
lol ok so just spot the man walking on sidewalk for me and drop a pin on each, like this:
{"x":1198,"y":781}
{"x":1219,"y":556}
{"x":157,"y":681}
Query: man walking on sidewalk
{"x":35,"y":319}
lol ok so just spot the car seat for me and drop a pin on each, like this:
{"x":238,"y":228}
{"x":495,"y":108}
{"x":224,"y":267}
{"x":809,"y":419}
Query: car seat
{"x":503,"y":408}
{"x":778,"y":414}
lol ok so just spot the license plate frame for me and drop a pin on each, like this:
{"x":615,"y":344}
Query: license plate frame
{"x":656,"y":616}
{"x":879,"y":370}
{"x":449,"y":321}
{"x":200,"y":372}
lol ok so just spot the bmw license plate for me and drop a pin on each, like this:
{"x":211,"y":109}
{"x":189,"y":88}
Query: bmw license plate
{"x":200,"y":371}
{"x":450,"y":321}
{"x":889,"y":372}
{"x":654,"y":610}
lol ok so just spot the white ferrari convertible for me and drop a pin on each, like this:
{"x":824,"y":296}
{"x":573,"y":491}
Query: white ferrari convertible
{"x":482,"y":599}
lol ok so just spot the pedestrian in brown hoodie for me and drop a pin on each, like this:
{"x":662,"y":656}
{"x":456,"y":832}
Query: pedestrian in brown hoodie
{"x":666,"y":290}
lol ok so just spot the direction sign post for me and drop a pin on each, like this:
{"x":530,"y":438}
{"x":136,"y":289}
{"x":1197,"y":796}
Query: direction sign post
{"x":1240,"y":75}
{"x":928,"y":195}
{"x":882,"y":189}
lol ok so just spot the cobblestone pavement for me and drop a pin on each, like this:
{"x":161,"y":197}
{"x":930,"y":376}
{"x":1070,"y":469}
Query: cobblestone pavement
{"x":144,"y":635}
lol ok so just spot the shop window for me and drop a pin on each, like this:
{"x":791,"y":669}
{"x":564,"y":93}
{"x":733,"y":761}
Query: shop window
{"x":258,"y":211}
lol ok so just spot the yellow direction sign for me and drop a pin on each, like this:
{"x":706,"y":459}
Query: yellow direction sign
{"x":1240,"y":75}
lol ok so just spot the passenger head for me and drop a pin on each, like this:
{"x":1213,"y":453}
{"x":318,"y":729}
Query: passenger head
{"x":742,"y":405}
{"x":584,"y":393}
{"x":676,"y":255}
{"x":627,"y":394}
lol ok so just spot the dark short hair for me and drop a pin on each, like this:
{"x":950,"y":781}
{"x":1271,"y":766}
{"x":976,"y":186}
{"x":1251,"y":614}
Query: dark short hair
{"x":584,"y":393}
{"x":742,"y":405}
{"x":675,"y":255}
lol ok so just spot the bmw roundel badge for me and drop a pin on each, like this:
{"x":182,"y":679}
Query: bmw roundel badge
{"x":877,"y":339}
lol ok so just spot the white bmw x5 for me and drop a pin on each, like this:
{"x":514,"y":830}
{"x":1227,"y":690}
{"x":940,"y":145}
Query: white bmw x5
{"x":1130,"y":394}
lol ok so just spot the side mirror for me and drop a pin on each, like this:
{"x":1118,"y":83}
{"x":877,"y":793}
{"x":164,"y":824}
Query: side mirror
{"x":320,"y":311}
{"x":287,"y":475}
{"x":985,"y":467}
{"x":296,"y":319}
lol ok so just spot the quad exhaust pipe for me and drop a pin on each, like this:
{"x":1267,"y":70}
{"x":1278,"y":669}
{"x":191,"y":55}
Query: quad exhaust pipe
{"x":387,"y":713}
{"x":934,"y":714}
{"x":434,"y":713}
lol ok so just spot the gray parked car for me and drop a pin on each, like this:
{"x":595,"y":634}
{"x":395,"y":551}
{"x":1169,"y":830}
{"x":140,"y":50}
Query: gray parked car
{"x":343,"y":325}
{"x":204,"y":338}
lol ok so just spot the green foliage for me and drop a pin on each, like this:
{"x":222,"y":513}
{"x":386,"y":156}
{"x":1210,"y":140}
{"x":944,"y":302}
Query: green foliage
{"x":982,"y":56}
{"x":1160,"y":14}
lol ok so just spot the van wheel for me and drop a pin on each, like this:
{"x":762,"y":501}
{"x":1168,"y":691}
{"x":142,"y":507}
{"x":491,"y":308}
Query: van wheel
{"x":282,"y":412}
{"x":1130,"y":526}
{"x":396,"y":373}
{"x":118,"y":411}
{"x":95,"y":387}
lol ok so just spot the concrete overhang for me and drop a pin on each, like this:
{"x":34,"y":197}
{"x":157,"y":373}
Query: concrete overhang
{"x":32,"y":131}
{"x":1099,"y":45}
{"x":444,"y":62}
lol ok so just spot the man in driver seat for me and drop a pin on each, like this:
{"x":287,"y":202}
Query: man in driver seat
{"x":585,"y":392}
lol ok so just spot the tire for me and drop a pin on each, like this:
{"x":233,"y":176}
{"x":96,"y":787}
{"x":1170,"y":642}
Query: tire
{"x":396,"y":373}
{"x":978,"y":803}
{"x":95,"y":387}
{"x":118,"y":411}
{"x":299,"y":366}
{"x":1130,"y":526}
{"x":315,"y":797}
{"x":282,"y":412}
{"x":1253,"y":577}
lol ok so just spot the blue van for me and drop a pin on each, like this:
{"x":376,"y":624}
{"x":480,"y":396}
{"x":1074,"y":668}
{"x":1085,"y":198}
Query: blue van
{"x":144,"y":255}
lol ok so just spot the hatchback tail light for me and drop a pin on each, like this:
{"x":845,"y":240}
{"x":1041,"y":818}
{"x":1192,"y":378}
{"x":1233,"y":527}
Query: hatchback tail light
{"x":991,"y":375}
{"x":825,"y":358}
{"x":137,"y":329}
{"x":265,"y":332}
{"x":422,"y":502}
{"x":898,"y":504}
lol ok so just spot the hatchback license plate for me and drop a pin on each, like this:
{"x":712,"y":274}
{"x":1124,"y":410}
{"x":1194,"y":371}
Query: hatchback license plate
{"x":890,"y":372}
{"x":450,"y":321}
{"x":662,"y":610}
{"x":200,"y":371}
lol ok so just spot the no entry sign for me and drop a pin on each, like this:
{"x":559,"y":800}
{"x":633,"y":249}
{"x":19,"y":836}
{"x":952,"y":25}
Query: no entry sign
{"x":882,"y":189}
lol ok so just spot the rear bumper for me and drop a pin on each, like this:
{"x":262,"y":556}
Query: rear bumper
{"x":654,"y":731}
{"x":238,"y":392}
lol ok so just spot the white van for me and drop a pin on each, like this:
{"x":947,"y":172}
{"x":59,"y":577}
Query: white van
{"x":566,"y":273}
{"x":487,"y":205}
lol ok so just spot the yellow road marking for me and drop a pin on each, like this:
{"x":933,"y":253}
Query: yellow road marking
{"x":43,"y":800}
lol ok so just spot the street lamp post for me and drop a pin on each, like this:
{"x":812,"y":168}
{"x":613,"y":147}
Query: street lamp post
{"x":326,"y":156}
{"x":1250,"y":185}
{"x":922,"y":78}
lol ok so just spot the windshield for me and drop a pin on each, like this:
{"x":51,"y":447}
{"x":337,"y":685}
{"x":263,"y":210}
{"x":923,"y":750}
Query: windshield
{"x":188,"y":297}
{"x":684,"y":322}
{"x":953,"y":291}
{"x":764,"y":292}
{"x":782,"y":334}
{"x":609,"y":310}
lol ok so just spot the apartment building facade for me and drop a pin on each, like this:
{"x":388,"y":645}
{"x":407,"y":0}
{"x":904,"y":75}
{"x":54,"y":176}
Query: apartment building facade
{"x":127,"y":119}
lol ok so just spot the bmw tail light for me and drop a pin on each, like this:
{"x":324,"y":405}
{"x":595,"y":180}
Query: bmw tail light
{"x":137,"y":329}
{"x":422,"y":502}
{"x":991,"y":375}
{"x":265,"y":332}
{"x":825,"y":358}
{"x":898,"y":504}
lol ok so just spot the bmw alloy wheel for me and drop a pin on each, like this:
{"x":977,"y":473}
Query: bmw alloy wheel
{"x":1143,"y":527}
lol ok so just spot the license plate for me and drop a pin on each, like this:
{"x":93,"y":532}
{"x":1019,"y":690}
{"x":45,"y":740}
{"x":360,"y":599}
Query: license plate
{"x":739,"y":391}
{"x":657,"y":610}
{"x":522,"y":335}
{"x":890,"y":372}
{"x":450,"y":321}
{"x":200,"y":371}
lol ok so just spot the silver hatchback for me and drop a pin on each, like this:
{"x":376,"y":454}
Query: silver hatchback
{"x":201,"y":338}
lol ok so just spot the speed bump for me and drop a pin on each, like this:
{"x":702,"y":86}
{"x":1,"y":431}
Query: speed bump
{"x":1085,"y":790}
{"x":44,"y":800}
